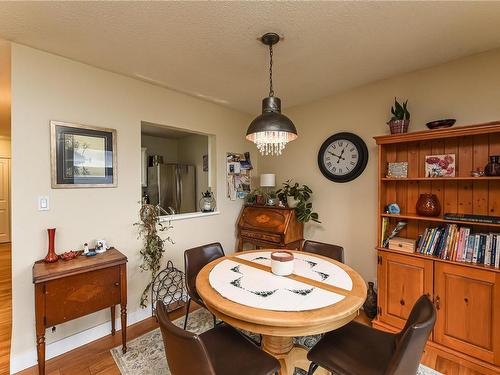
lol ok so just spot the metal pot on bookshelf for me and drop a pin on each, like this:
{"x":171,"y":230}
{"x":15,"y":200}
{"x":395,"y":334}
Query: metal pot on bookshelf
{"x":428,"y":205}
{"x":493,"y":167}
{"x":370,"y":305}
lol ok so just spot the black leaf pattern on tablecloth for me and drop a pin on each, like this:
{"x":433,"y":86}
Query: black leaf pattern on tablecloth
{"x":302,"y":292}
{"x":260,"y":258}
{"x":261,"y":293}
{"x":236,"y":269}
{"x":323,"y":275}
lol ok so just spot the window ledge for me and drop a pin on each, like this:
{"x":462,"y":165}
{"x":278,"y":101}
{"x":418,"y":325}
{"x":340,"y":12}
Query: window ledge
{"x":190,"y":215}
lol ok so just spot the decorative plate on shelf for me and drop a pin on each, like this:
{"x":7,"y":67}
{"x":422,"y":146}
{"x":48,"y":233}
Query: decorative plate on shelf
{"x":440,"y":124}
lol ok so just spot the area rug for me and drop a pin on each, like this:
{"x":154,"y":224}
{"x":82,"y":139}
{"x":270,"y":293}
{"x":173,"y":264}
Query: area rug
{"x":146,"y":355}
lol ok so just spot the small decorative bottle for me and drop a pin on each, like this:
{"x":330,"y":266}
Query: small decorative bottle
{"x":370,"y":305}
{"x":51,"y":253}
{"x":493,"y":167}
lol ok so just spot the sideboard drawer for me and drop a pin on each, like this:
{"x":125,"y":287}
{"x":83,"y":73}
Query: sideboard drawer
{"x":75,"y":296}
{"x":261,"y":236}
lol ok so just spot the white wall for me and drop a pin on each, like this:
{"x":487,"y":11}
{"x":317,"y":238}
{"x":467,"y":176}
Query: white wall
{"x":47,"y":87}
{"x":168,"y":148}
{"x":191,"y":151}
{"x":467,"y":89}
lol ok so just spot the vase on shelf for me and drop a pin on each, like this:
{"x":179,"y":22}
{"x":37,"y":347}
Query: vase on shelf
{"x":51,"y":253}
{"x":370,"y":305}
{"x":493,"y":167}
{"x":428,"y":205}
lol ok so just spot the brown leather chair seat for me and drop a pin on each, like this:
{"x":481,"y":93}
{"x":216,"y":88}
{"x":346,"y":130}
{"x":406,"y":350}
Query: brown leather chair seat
{"x":328,"y":250}
{"x":356,"y":349}
{"x":194,"y":260}
{"x":233,"y":353}
{"x":219,"y":351}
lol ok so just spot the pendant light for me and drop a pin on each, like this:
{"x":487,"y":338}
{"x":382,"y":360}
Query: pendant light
{"x":272,"y":130}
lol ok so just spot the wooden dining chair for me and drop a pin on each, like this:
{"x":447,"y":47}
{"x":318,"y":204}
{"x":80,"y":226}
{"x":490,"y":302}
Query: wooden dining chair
{"x":194,"y":260}
{"x":359,"y":349}
{"x":221,"y":350}
{"x":328,"y":250}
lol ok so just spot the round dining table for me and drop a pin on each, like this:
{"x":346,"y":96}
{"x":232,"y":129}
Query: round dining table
{"x":319,"y":296}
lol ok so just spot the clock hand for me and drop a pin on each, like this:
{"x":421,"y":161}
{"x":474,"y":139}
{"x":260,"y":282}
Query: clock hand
{"x":331,"y":153}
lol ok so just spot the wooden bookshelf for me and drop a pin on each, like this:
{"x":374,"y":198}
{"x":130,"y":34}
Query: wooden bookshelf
{"x":452,"y":285}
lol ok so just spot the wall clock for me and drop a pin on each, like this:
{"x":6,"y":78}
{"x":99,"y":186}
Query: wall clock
{"x":342,"y":157}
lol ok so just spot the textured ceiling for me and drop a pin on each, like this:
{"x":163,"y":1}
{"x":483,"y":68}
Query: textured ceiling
{"x":210,"y":49}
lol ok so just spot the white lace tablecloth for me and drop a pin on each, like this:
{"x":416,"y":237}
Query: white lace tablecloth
{"x":258,"y":288}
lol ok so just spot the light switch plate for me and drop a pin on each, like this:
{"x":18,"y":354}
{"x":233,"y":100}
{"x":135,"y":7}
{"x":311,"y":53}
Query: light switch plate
{"x":43,"y":203}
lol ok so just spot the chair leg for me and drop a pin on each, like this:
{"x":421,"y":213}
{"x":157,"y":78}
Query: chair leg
{"x":215,"y":320}
{"x":312,"y":368}
{"x":187,"y":313}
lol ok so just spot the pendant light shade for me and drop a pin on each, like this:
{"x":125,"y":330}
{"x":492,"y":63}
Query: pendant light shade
{"x":271,"y":130}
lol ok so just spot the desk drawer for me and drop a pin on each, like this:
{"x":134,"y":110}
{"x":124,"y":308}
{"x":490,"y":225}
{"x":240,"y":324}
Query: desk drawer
{"x":261,"y":236}
{"x":82,"y":294}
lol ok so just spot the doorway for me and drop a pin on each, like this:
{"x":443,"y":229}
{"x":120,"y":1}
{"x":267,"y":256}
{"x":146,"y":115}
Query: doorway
{"x":4,"y":200}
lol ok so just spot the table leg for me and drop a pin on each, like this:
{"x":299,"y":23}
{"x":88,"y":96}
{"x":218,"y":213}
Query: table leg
{"x":289,"y":355}
{"x":113,"y":320}
{"x":123,"y":305}
{"x":40,"y":351}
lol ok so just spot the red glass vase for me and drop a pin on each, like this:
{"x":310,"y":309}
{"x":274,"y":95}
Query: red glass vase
{"x":428,"y":205}
{"x":51,"y":254}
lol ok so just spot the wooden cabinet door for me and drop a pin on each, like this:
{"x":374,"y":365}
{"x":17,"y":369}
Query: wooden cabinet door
{"x":468,"y":303}
{"x":402,"y":280}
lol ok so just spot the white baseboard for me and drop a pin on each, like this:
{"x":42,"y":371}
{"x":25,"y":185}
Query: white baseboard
{"x":28,"y":359}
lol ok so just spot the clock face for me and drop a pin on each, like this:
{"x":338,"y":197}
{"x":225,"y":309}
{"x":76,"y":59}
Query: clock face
{"x":342,"y":157}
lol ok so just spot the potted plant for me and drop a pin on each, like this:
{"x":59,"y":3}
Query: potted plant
{"x":400,"y":119}
{"x":153,"y":245}
{"x":250,"y":198}
{"x":272,"y":198}
{"x":260,"y":196}
{"x":296,"y":196}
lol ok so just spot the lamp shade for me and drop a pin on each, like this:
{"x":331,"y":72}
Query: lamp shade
{"x":268,"y":180}
{"x":271,"y":130}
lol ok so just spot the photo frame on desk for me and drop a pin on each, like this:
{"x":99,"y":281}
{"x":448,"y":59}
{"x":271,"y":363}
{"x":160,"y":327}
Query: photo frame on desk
{"x":82,"y":156}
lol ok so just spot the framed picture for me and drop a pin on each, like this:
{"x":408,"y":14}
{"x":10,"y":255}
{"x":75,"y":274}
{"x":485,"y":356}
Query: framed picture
{"x":205,"y":163}
{"x":397,"y":170}
{"x":440,"y":165}
{"x":82,"y":156}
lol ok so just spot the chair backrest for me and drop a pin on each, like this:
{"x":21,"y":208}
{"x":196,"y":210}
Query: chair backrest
{"x":410,"y":342}
{"x":328,"y":250}
{"x":185,"y":351}
{"x":194,"y":260}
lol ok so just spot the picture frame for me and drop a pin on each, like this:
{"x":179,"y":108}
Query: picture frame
{"x":205,"y":163}
{"x":82,"y":156}
{"x":443,"y":165}
{"x":397,"y":170}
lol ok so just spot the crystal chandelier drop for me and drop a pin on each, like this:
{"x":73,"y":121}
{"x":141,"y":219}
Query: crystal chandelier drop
{"x":272,"y":130}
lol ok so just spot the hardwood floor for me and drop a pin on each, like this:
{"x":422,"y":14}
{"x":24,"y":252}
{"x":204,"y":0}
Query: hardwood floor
{"x":95,"y":358}
{"x":5,"y":307}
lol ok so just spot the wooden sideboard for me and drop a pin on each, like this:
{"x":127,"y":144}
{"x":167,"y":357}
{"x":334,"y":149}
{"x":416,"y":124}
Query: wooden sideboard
{"x":269,"y":227}
{"x":466,"y":295}
{"x":67,"y":290}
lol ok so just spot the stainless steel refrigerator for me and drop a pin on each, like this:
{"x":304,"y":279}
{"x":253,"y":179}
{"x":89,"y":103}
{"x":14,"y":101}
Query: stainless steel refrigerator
{"x":173,"y":186}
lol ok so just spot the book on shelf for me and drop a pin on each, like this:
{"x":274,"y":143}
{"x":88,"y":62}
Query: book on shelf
{"x":472,"y":218}
{"x":457,"y":243}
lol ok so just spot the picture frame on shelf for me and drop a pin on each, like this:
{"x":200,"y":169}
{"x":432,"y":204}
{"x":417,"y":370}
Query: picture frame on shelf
{"x":82,"y":156}
{"x":443,"y":165}
{"x":397,"y":170}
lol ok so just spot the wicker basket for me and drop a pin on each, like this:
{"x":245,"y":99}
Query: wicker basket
{"x":398,"y":126}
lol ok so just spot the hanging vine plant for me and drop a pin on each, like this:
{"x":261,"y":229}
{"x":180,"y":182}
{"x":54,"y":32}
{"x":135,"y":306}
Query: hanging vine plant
{"x":153,"y":244}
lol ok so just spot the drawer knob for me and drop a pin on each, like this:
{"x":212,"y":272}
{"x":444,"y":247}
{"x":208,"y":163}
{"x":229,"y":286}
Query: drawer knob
{"x":402,"y":302}
{"x":466,"y":300}
{"x":117,"y":284}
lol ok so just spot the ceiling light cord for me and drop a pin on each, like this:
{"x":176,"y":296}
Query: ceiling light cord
{"x":271,"y":89}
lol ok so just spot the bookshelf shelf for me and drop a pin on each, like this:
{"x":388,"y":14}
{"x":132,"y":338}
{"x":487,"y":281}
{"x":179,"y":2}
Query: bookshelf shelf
{"x":442,"y":179}
{"x":436,"y":259}
{"x":438,"y":220}
{"x":403,"y":277}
